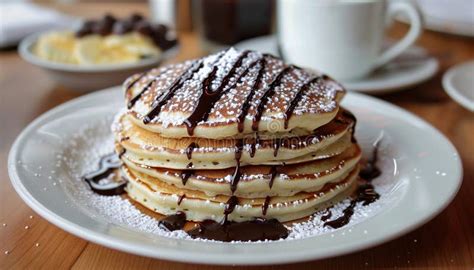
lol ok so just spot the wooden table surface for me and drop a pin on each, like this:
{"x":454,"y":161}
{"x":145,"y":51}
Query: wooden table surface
{"x":27,"y":240}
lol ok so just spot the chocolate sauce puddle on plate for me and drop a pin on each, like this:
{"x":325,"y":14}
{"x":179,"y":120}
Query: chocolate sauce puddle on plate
{"x":258,"y":229}
{"x":99,"y":181}
{"x":174,"y":222}
{"x":365,"y":192}
{"x":254,"y":230}
{"x":371,"y":171}
{"x":327,"y":215}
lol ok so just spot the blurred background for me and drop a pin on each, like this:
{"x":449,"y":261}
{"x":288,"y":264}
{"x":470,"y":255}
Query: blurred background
{"x":286,"y":28}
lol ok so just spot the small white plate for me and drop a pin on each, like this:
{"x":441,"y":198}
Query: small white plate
{"x":458,"y":82}
{"x":89,"y":78}
{"x":421,"y":175}
{"x":413,"y":67}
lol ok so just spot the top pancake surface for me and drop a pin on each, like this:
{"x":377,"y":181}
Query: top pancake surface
{"x":230,"y":78}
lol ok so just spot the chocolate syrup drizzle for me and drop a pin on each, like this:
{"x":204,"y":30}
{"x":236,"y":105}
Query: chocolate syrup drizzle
{"x":126,"y":138}
{"x":276,"y":146}
{"x":137,"y":97}
{"x":135,"y":81}
{"x":265,"y":205}
{"x":181,"y":198}
{"x":161,"y":100}
{"x":344,"y":219}
{"x":273,"y":173}
{"x":269,"y":92}
{"x":296,"y":99}
{"x":122,"y":153}
{"x":327,"y":215}
{"x":246,"y":105}
{"x":190,"y":149}
{"x":208,"y":98}
{"x":169,"y":93}
{"x":185,"y":175}
{"x":230,"y":206}
{"x":107,"y":165}
{"x":237,"y":172}
{"x":365,"y":193}
{"x":253,"y":146}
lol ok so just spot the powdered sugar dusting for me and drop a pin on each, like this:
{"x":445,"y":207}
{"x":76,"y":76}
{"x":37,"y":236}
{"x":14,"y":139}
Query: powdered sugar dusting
{"x":320,"y":97}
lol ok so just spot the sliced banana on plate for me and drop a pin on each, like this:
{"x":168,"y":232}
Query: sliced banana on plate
{"x":95,"y":49}
{"x":57,"y":47}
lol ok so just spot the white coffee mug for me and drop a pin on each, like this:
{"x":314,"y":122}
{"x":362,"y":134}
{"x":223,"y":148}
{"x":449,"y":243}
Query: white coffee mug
{"x":342,"y":38}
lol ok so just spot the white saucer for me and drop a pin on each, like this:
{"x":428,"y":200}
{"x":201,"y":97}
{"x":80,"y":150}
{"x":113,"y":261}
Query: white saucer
{"x":458,"y":82}
{"x":411,"y":68}
{"x":421,"y":174}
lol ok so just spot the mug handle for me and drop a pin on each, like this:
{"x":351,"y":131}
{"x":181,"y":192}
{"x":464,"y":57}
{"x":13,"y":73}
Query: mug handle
{"x":410,"y":38}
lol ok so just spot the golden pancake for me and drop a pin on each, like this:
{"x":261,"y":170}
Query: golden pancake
{"x":151,"y":149}
{"x":258,"y":180}
{"x":166,"y":199}
{"x":169,"y":100}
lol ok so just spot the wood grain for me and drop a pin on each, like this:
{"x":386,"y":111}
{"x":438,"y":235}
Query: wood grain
{"x":446,"y":242}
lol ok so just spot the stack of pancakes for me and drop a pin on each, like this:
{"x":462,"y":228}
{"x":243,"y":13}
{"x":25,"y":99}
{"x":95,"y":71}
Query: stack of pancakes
{"x":236,"y":136}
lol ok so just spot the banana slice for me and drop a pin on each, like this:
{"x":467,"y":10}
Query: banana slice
{"x":134,"y":43}
{"x":56,"y":47}
{"x":64,"y":47}
{"x":92,"y":50}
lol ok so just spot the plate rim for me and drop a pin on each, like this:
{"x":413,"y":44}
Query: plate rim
{"x":170,"y":254}
{"x":452,"y":91}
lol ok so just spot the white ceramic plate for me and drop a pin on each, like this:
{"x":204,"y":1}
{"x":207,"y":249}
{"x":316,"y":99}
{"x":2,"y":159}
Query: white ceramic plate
{"x":458,"y":82}
{"x":421,"y":175}
{"x":413,"y":67}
